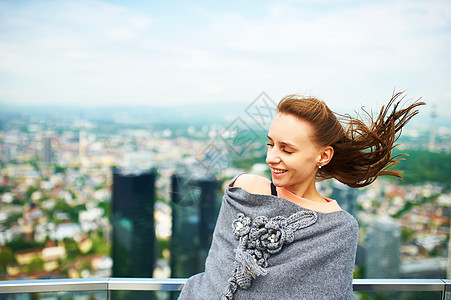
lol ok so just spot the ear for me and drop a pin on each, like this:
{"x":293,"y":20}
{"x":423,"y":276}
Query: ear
{"x":326,"y":155}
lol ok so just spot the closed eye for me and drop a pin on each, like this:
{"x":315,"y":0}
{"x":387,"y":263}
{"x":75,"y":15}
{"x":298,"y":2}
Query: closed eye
{"x":283,"y":148}
{"x":286,"y":151}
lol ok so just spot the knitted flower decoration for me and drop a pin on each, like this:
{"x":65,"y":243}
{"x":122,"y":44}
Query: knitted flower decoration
{"x":258,"y":240}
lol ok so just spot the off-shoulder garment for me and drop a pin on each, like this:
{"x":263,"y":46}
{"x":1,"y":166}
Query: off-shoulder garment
{"x":266,"y":247}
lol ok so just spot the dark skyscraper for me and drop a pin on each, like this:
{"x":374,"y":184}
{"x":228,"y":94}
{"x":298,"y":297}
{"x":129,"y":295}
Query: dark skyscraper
{"x":195,"y":208}
{"x":383,"y":254}
{"x":345,"y":196}
{"x":134,"y":242}
{"x":46,"y":150}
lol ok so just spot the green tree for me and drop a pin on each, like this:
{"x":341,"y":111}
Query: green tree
{"x":37,"y":264}
{"x":6,"y":258}
{"x":163,"y":245}
{"x":34,"y":162}
{"x":406,"y":234}
{"x":20,"y":244}
{"x":30,"y":190}
{"x":86,"y":265}
{"x":71,"y":248}
{"x":106,"y":206}
{"x":59,"y":169}
{"x":99,"y":246}
{"x":4,"y":188}
{"x":408,"y":205}
{"x":12,"y":218}
{"x":423,"y":166}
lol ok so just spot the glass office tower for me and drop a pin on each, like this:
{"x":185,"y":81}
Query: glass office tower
{"x":134,"y":241}
{"x":195,"y":208}
{"x":383,"y":249}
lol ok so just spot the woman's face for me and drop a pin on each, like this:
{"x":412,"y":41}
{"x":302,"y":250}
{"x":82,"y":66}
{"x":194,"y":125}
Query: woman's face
{"x":292,"y":154}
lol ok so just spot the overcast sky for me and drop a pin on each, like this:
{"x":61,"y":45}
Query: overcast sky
{"x":348,"y":53}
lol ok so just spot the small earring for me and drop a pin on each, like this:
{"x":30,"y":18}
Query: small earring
{"x":319,"y":167}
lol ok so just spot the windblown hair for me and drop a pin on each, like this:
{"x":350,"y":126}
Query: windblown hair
{"x":362,"y":152}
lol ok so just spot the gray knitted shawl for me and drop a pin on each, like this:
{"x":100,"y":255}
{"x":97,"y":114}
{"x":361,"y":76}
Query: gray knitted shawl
{"x":266,"y":247}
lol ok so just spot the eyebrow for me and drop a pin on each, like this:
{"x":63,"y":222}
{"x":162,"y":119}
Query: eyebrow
{"x":287,"y":144}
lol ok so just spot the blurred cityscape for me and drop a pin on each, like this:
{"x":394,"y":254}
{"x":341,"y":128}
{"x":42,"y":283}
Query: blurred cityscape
{"x":64,"y":175}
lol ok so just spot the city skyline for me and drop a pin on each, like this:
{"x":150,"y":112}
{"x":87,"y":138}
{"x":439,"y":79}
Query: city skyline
{"x":60,"y":194}
{"x":97,"y":53}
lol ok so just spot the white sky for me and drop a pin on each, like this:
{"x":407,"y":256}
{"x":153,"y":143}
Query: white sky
{"x":348,"y":53}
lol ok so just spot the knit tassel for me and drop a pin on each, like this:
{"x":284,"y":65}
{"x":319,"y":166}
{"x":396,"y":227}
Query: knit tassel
{"x":249,"y":264}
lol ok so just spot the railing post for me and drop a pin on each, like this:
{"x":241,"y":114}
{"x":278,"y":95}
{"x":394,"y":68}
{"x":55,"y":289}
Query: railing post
{"x":108,"y":293}
{"x":446,"y":288}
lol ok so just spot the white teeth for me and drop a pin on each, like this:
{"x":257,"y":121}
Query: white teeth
{"x":278,"y":171}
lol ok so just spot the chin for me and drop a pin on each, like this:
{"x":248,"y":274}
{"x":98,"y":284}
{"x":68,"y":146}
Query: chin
{"x":278,"y":182}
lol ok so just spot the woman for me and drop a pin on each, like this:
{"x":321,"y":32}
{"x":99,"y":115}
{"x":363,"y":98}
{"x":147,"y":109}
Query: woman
{"x":281,"y":239}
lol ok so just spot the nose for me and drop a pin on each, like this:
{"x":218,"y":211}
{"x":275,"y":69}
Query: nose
{"x":272,"y":156}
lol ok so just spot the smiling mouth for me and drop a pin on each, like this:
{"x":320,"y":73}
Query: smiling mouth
{"x":276,"y":171}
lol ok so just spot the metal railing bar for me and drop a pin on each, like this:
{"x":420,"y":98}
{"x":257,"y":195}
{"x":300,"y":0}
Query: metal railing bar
{"x":176,"y":284}
{"x":53,"y":285}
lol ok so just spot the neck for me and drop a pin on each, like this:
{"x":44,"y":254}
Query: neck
{"x":306,"y":191}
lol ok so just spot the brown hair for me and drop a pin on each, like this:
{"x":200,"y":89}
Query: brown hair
{"x":362,"y":151}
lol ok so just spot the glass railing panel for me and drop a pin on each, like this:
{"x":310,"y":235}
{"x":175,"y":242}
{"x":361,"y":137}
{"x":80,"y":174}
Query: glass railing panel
{"x":146,"y":284}
{"x":143,"y":295}
{"x":436,"y":285}
{"x":390,"y":295}
{"x":168,"y":289}
{"x":74,"y":295}
{"x":145,"y":288}
{"x":403,"y":289}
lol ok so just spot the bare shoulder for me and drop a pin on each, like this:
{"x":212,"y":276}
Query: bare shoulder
{"x":253,"y":184}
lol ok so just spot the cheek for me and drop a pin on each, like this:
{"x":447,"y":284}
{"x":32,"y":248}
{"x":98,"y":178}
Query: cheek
{"x":293,"y":162}
{"x":301,"y":162}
